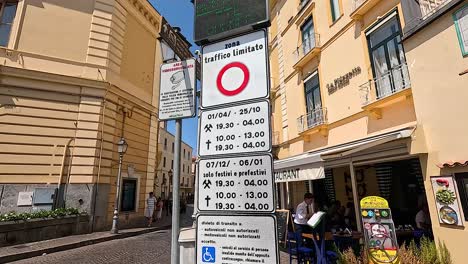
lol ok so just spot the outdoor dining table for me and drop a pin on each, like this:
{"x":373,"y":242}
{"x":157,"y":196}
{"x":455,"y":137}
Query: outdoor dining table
{"x":329,"y":236}
{"x":356,"y":235}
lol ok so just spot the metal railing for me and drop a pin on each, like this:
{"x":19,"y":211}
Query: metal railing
{"x":391,"y":82}
{"x":357,"y":4}
{"x":306,"y":47}
{"x":429,"y":7}
{"x":312,"y":119}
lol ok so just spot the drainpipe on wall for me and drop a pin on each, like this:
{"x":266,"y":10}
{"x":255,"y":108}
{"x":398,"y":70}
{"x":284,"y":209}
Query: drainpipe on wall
{"x":60,"y":200}
{"x":96,"y":187}
{"x":70,"y":161}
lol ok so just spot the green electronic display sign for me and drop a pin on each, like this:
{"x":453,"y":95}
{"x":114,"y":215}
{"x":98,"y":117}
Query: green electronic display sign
{"x":215,"y":19}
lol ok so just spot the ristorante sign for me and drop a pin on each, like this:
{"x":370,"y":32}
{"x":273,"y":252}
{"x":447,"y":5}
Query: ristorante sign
{"x":301,"y":173}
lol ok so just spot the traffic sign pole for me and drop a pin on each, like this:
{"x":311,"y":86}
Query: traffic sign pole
{"x":235,"y":201}
{"x":177,"y":101}
{"x":175,"y":251}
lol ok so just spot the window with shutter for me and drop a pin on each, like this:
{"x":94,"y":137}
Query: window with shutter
{"x":460,"y":18}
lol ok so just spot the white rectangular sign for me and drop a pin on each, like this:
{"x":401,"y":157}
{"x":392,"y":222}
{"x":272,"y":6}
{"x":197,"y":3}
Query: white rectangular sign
{"x":306,"y":172}
{"x":177,"y":90}
{"x":237,"y":129}
{"x":243,"y":184}
{"x":25,"y":198}
{"x":235,"y":70}
{"x":236,"y":239}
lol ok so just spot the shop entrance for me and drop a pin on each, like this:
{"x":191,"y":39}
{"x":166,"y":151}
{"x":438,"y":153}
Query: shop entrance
{"x":400,"y":182}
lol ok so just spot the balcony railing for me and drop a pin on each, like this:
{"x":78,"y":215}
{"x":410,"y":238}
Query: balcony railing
{"x":306,"y":47}
{"x":391,"y":82}
{"x":313,"y":119}
{"x":429,"y":7}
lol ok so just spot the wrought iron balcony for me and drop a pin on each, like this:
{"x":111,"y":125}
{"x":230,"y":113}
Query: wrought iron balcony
{"x":393,"y":81}
{"x":306,"y":51}
{"x":311,"y":120}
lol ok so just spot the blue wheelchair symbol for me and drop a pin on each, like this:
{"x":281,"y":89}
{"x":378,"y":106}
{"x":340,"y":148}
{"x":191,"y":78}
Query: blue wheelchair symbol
{"x":209,"y":254}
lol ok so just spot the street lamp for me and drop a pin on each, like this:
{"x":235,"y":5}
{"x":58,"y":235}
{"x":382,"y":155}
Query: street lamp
{"x":121,"y":149}
{"x":169,"y":173}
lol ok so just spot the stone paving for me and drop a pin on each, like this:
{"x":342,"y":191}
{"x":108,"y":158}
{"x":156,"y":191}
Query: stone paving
{"x":149,"y":248}
{"x":71,"y":242}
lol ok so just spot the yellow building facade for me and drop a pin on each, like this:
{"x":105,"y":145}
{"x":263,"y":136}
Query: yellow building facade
{"x":436,"y":44}
{"x":76,"y":76}
{"x":350,"y":105}
{"x":165,"y":169}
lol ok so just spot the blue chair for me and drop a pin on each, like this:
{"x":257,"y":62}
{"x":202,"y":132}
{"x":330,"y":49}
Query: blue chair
{"x":342,"y":243}
{"x":297,"y":250}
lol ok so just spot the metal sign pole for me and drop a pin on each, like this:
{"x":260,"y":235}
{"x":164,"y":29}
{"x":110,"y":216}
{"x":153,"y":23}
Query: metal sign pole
{"x":175,"y":254}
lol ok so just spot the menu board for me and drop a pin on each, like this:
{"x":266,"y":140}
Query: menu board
{"x":283,"y":218}
{"x":446,"y":198}
{"x":215,"y":19}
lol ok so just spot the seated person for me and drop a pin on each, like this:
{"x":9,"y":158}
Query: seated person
{"x":423,"y":219}
{"x":350,"y":216}
{"x":304,"y":212}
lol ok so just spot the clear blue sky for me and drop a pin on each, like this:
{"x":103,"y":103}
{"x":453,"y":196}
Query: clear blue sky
{"x":179,"y":13}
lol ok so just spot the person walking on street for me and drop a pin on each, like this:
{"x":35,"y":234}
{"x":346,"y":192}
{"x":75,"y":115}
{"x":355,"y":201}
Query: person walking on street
{"x":150,"y":208}
{"x":159,"y":209}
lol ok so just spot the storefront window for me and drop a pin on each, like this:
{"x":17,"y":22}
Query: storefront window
{"x":129,"y":190}
{"x":462,"y":183}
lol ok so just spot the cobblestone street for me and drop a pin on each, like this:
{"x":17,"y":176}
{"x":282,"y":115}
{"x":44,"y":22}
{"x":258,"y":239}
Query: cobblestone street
{"x":148,"y":248}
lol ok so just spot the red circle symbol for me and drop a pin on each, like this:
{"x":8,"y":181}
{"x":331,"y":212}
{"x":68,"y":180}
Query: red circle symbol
{"x":219,"y":82}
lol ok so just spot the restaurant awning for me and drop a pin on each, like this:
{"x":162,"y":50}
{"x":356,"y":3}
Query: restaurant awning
{"x":310,"y":165}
